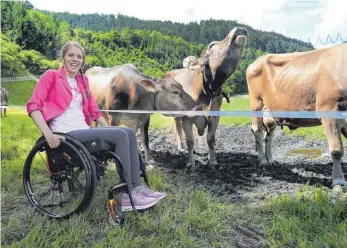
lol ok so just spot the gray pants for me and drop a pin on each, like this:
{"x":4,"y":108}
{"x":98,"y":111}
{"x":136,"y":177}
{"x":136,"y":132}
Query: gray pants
{"x":125,"y":142}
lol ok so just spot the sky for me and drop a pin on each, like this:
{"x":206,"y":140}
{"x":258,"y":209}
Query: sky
{"x":307,"y":20}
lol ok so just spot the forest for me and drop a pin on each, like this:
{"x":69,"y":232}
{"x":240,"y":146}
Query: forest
{"x":31,"y":39}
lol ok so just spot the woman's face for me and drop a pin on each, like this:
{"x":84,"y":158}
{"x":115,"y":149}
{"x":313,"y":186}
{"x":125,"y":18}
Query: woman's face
{"x":73,"y":61}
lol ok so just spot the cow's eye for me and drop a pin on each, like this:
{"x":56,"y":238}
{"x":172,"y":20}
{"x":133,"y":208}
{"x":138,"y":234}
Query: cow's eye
{"x":176,"y":92}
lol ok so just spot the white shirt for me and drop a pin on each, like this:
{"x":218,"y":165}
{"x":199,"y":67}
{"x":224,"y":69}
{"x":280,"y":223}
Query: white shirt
{"x":72,"y":118}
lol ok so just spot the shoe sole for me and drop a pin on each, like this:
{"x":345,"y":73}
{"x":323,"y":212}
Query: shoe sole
{"x":130,"y":208}
{"x":159,"y":198}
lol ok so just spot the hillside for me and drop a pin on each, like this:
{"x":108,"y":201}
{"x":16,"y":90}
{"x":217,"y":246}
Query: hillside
{"x":154,"y":47}
{"x":205,"y":32}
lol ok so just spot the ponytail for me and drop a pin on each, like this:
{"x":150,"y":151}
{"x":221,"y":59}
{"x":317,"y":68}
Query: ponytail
{"x":84,"y":84}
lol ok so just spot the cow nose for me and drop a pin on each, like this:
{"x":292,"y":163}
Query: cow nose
{"x":241,"y":31}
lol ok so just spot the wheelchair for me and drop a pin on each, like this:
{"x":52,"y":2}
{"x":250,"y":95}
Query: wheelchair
{"x":61,"y":182}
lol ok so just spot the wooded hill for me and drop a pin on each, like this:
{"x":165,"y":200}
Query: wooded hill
{"x":205,"y":32}
{"x":32,"y":38}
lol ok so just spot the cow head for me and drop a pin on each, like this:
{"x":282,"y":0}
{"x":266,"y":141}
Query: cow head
{"x":170,"y":96}
{"x":221,"y":59}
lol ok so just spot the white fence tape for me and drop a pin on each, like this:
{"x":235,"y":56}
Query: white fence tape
{"x":18,"y":79}
{"x":281,"y":114}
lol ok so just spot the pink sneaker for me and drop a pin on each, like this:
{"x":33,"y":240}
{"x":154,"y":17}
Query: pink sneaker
{"x":140,"y":201}
{"x":149,"y":193}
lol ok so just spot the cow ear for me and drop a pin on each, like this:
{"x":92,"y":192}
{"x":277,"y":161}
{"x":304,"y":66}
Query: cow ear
{"x":148,"y":84}
{"x":211,"y":45}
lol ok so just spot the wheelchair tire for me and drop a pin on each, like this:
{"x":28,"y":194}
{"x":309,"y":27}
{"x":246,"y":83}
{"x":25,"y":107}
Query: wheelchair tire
{"x":69,"y":174}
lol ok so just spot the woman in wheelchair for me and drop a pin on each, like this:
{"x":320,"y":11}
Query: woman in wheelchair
{"x":62,"y":102}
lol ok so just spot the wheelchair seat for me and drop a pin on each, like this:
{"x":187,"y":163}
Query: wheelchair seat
{"x":96,"y":146}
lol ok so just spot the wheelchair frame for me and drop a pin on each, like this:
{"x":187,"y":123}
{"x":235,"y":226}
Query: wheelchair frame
{"x":63,"y":167}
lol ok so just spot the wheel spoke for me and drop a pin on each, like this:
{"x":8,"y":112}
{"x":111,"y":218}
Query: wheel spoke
{"x":63,"y":173}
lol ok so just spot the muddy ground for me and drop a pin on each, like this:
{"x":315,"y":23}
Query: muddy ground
{"x":238,"y":178}
{"x":238,"y":173}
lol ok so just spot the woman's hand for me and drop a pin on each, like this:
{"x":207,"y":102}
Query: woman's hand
{"x":53,"y":140}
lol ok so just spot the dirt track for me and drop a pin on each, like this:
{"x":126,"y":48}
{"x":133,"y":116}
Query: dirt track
{"x":238,"y":173}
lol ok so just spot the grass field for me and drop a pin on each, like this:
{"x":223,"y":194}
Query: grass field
{"x":23,"y":91}
{"x":191,"y":215}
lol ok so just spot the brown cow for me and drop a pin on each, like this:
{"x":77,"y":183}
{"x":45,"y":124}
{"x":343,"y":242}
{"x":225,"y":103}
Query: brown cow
{"x":303,"y":81}
{"x":126,"y":88}
{"x":4,"y":99}
{"x":203,"y":79}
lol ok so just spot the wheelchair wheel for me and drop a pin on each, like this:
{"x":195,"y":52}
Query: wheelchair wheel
{"x":59,"y":182}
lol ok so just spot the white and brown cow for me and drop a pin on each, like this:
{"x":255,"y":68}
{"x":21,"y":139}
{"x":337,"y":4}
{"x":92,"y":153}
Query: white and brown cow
{"x":203,"y":79}
{"x":126,"y":88}
{"x":4,"y":99}
{"x":303,"y":81}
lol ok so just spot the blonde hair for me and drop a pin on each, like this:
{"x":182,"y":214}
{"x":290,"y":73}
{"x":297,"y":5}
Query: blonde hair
{"x":66,"y":48}
{"x":70,"y":44}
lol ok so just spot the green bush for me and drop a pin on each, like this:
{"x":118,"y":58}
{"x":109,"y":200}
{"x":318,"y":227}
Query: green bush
{"x":10,"y":64}
{"x":36,"y":63}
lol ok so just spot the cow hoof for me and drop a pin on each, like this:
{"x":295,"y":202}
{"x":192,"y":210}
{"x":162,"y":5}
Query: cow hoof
{"x":271,"y":163}
{"x":339,"y":185}
{"x":340,"y":188}
{"x":263,"y":163}
{"x":150,"y":164}
{"x":212,"y":165}
{"x":149,"y":167}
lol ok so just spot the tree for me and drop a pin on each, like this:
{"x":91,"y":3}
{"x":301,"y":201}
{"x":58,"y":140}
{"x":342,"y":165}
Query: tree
{"x":65,"y":33}
{"x":39,"y":33}
{"x":10,"y":64}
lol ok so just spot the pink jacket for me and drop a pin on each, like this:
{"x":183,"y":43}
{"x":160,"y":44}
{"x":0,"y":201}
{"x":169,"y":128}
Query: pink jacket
{"x":52,"y":96}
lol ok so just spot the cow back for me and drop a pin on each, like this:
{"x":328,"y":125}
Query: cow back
{"x":299,"y":81}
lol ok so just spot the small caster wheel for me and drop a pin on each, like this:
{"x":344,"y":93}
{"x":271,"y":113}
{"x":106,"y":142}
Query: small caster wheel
{"x":115,"y":214}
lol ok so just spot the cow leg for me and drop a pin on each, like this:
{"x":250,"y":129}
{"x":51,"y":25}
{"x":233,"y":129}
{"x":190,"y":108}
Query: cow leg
{"x":178,"y":122}
{"x":5,"y":112}
{"x":112,"y":121}
{"x":270,"y":125}
{"x":188,"y":131}
{"x":212,"y":128}
{"x":344,"y":128}
{"x":145,"y":142}
{"x":211,"y":141}
{"x":332,"y":129}
{"x":258,"y":129}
